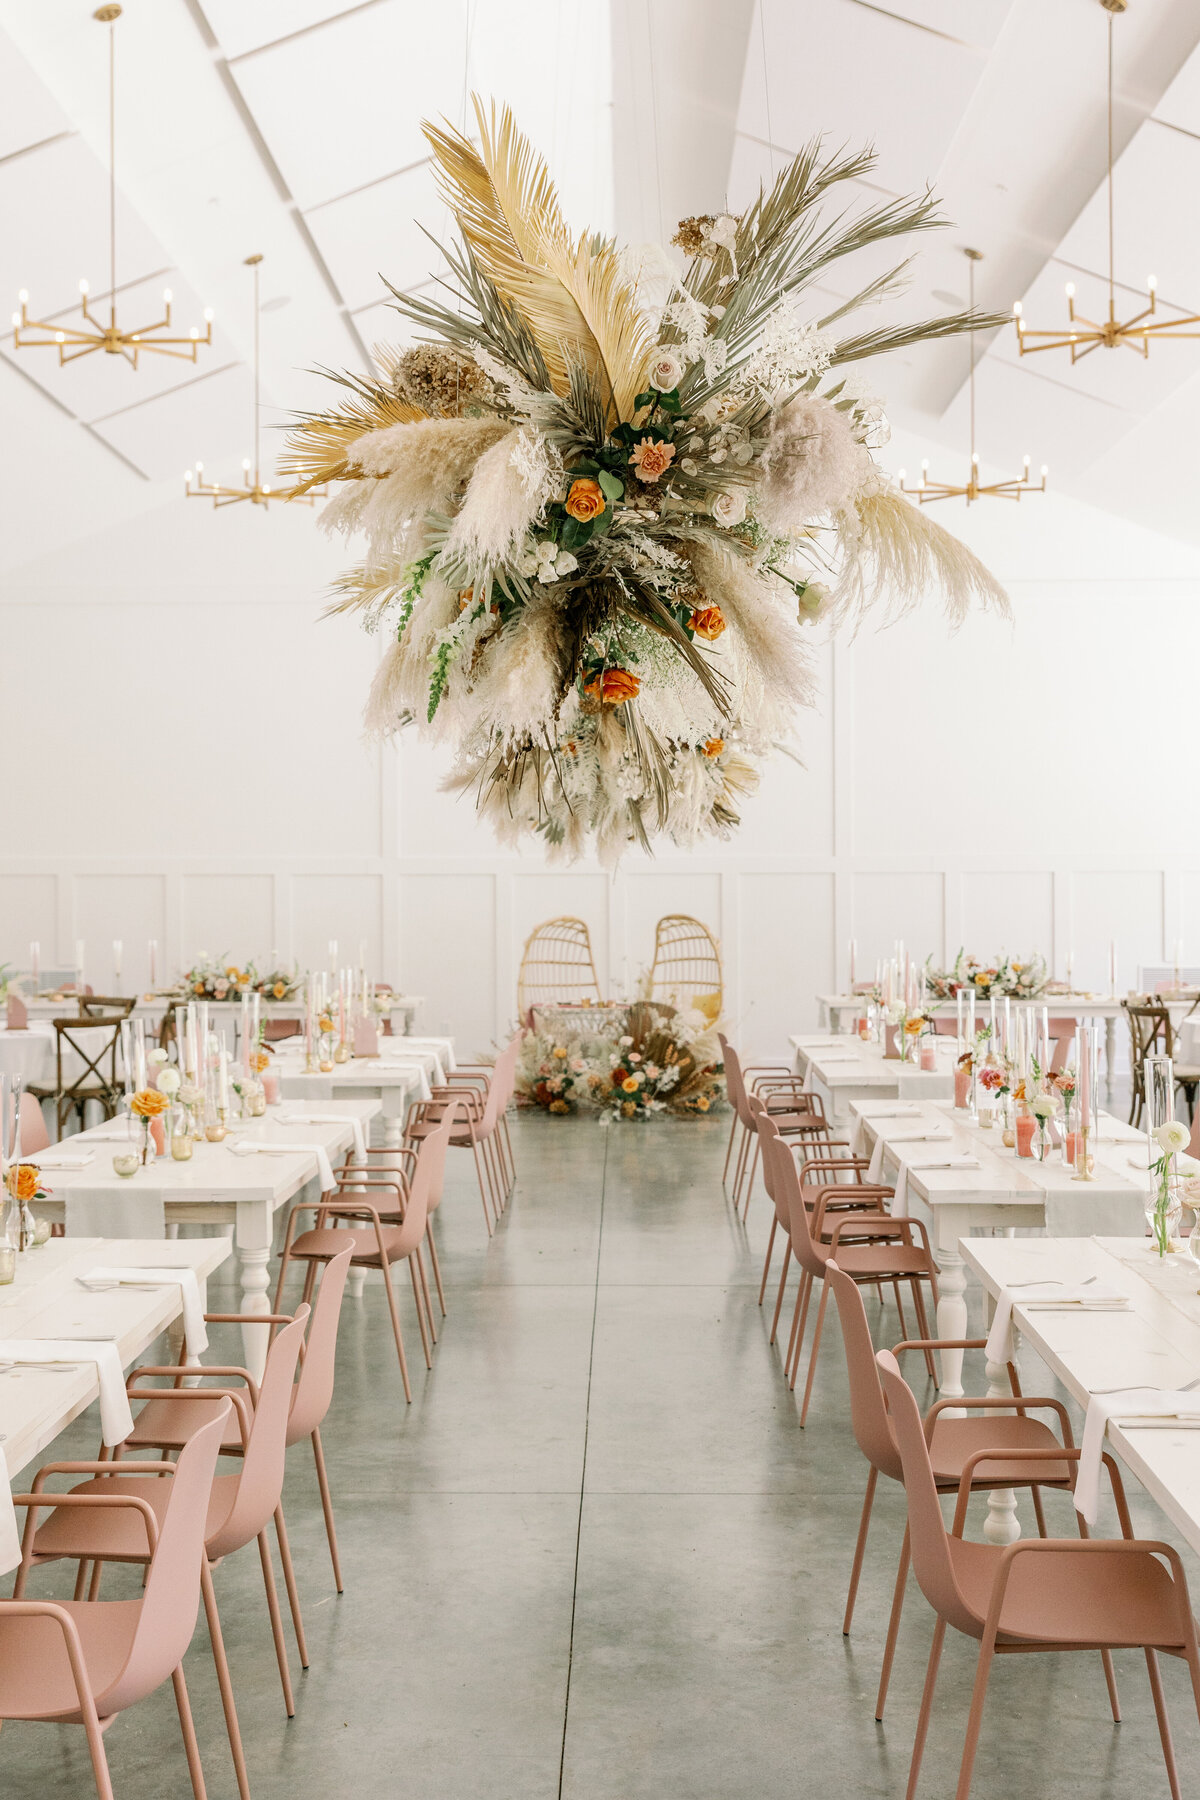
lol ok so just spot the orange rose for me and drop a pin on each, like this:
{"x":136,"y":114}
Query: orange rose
{"x":148,"y":1103}
{"x":714,"y":746}
{"x":24,"y":1181}
{"x":279,"y":990}
{"x":586,"y":499}
{"x":707,"y":622}
{"x":613,"y":687}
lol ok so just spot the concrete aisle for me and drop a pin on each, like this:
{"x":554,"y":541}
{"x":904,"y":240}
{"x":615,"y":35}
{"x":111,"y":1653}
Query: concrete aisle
{"x":597,"y":1559}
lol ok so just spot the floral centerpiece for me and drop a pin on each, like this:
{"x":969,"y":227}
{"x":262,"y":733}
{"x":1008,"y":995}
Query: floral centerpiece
{"x":23,"y":1184}
{"x":210,"y":979}
{"x":996,"y":978}
{"x":603,"y":495}
{"x":148,"y":1104}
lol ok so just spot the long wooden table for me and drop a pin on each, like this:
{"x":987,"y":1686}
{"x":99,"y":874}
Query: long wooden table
{"x":1156,"y":1343}
{"x":848,"y":1069}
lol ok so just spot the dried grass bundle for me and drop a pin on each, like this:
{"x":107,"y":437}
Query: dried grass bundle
{"x":896,"y":556}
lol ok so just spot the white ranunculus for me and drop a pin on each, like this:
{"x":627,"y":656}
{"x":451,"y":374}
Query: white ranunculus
{"x":1044,"y":1106}
{"x":666,"y":370}
{"x":169,"y":1080}
{"x":1172,"y":1136}
{"x":729,"y":506}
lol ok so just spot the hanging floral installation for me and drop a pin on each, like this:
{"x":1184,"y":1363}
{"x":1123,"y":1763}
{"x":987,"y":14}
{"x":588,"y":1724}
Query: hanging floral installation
{"x":603,"y":496}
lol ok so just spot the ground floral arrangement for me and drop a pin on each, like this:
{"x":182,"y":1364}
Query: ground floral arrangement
{"x":217,"y":979}
{"x":1002,"y":975}
{"x":658,"y":1061}
{"x":607,"y":489}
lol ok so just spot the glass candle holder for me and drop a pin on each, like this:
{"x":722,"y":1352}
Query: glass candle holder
{"x":8,"y":1264}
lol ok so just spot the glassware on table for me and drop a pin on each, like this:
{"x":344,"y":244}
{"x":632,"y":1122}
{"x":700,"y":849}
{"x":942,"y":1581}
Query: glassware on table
{"x":181,"y":1133}
{"x":8,"y":1263}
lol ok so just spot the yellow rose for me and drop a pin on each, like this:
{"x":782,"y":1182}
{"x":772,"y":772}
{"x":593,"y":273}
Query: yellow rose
{"x":23,"y":1181}
{"x":149,"y":1103}
{"x":586,"y":499}
{"x":630,"y":1084}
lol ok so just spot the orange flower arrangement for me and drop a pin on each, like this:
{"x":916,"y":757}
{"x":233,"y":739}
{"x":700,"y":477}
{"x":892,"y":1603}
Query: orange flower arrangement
{"x":149,"y":1103}
{"x":613,"y":687}
{"x":24,"y":1182}
{"x":707,"y":622}
{"x":586,"y":499}
{"x":713,"y":746}
{"x":260,"y":1061}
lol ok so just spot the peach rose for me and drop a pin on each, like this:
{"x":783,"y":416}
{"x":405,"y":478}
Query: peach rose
{"x":586,"y":499}
{"x":714,"y":746}
{"x":613,"y":687}
{"x":148,"y":1103}
{"x":651,"y":458}
{"x":279,"y":990}
{"x":24,"y":1181}
{"x":707,"y":622}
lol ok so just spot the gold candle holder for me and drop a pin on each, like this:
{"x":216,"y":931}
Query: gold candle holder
{"x":342,"y":1053}
{"x":1083,"y":1160}
{"x":215,"y":1132}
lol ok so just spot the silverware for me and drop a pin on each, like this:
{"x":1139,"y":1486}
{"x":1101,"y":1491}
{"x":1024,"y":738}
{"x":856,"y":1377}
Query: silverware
{"x":1149,"y":1387}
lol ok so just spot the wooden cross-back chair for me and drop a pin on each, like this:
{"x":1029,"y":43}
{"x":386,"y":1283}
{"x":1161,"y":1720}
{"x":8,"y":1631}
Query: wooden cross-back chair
{"x":97,"y":1006}
{"x":1151,"y":1033}
{"x":94,"y":1041}
{"x":686,"y":970}
{"x":556,"y":965}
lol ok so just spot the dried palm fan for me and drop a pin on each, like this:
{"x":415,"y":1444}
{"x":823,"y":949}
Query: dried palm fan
{"x":687,"y":966}
{"x":557,"y":966}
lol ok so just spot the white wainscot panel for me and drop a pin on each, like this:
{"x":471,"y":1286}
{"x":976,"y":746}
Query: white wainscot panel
{"x":128,"y":908}
{"x":894,"y":904}
{"x":348,"y":908}
{"x":1187,"y":927}
{"x":1121,"y":904}
{"x":785,"y":958}
{"x":448,"y":953}
{"x":650,"y":897}
{"x":27,"y":914}
{"x":1009,"y":911}
{"x":554,"y":893}
{"x":229,"y":915}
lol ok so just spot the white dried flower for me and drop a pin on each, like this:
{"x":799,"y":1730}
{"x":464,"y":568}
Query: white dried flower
{"x":689,"y":466}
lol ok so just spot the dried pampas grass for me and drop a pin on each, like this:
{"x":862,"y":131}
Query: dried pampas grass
{"x":755,"y":608}
{"x":523,"y":686}
{"x":412,"y":470}
{"x":895,"y":556}
{"x":811,"y":465}
{"x":510,"y":484}
{"x":401,"y":685}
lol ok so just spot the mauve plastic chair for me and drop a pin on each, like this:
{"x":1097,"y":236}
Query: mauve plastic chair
{"x":870,"y":1246}
{"x":1038,"y":1594}
{"x":393,"y":1231}
{"x":385,"y":1165}
{"x":171,"y":1423}
{"x":241,"y":1506}
{"x":779,"y":1091}
{"x":33,"y":1133}
{"x":951,"y":1442}
{"x":81,"y":1662}
{"x":477,"y":1101}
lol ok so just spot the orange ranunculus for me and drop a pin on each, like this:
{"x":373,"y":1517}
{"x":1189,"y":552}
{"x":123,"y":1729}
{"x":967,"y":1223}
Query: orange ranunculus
{"x":24,"y":1181}
{"x":613,"y":687}
{"x":713,"y":746}
{"x":148,"y":1103}
{"x":279,"y":990}
{"x":707,"y":622}
{"x":586,"y":499}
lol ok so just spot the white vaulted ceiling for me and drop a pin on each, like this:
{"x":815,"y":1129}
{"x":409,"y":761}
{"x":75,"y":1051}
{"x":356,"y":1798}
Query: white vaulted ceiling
{"x":292,"y":127}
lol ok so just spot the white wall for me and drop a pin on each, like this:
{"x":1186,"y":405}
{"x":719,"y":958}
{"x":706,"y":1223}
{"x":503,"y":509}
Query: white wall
{"x":180,"y":758}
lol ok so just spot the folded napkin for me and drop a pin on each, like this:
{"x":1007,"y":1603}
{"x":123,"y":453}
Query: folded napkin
{"x":247,"y":1147}
{"x":886,"y":1110}
{"x":1091,"y":1297}
{"x":116,"y":1420}
{"x":1148,"y":1407}
{"x":10,"y":1537}
{"x":194,"y":1331}
{"x":921,"y":1135}
{"x":60,"y":1159}
{"x":948,"y":1160}
{"x":284,"y":1117}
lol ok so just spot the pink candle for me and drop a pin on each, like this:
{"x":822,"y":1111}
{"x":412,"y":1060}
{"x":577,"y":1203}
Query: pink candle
{"x":1025,"y":1129}
{"x":1085,"y":1076}
{"x":270,"y":1081}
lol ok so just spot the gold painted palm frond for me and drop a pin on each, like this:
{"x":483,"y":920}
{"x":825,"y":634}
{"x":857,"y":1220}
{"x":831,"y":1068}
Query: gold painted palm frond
{"x":577,"y":305}
{"x":315,"y":448}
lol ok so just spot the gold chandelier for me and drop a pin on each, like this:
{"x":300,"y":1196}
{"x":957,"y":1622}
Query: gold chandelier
{"x":74,"y":341}
{"x":973,"y":488}
{"x":253,"y":488}
{"x":1081,"y":336}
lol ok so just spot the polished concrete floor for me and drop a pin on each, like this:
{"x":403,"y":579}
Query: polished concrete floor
{"x":597,"y":1557}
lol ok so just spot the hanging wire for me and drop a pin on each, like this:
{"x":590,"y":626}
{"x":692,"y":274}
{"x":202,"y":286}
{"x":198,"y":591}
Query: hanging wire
{"x":658,"y":186}
{"x":762,"y":38}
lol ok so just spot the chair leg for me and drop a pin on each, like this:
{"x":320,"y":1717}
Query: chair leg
{"x":416,"y":1288}
{"x":900,"y":1309}
{"x":860,"y":1548}
{"x":1164,"y":1723}
{"x":289,"y":1579}
{"x":327,"y":1507}
{"x":750,"y":1179}
{"x":487,"y":1214}
{"x":931,"y":1674}
{"x":95,"y":1744}
{"x":437,"y":1268}
{"x":812,"y":1355}
{"x":188,"y":1729}
{"x":390,"y":1291}
{"x":740,"y":1172}
{"x":420,"y":1261}
{"x":893,"y":1630}
{"x":1039,"y":1512}
{"x":983,"y":1669}
{"x":285,"y":1676}
{"x":1110,"y":1674}
{"x":791,"y":1361}
{"x":762,"y":1286}
{"x":221,"y":1663}
{"x":787,"y":1257}
{"x":733,"y":1125}
{"x":918,"y":1299}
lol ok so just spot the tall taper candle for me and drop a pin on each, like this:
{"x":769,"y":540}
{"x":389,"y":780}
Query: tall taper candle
{"x":79,"y":965}
{"x":35,"y":962}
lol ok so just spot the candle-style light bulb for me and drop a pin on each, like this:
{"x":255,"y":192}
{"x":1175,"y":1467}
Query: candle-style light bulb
{"x":60,"y":337}
{"x":1016,"y":309}
{"x":187,"y":476}
{"x":246,"y":464}
{"x":194,"y":333}
{"x":83,"y":287}
{"x":199,"y":467}
{"x":166,"y":296}
{"x":16,"y":318}
{"x":208,"y":315}
{"x":23,"y":296}
{"x":1151,"y":282}
{"x":900,"y":476}
{"x":1045,"y":470}
{"x":1070,"y":290}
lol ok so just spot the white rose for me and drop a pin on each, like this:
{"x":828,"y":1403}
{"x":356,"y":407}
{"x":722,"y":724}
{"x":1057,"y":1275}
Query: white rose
{"x":666,"y":371}
{"x":546,"y":551}
{"x":1173,"y":1137}
{"x":157,"y":1056}
{"x":565,"y":563}
{"x":729,"y":506}
{"x":528,"y":564}
{"x":546,"y":574}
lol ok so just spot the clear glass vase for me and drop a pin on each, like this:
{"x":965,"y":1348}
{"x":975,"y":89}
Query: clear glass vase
{"x":1164,"y":1215}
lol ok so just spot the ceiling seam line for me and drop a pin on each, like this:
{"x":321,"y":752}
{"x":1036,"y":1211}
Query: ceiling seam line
{"x":290,"y":37}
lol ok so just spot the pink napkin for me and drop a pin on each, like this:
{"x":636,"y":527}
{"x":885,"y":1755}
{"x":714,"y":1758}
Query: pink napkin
{"x":366,"y":1038}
